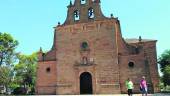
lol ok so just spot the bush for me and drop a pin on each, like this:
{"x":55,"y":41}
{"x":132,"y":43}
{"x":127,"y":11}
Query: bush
{"x":20,"y":91}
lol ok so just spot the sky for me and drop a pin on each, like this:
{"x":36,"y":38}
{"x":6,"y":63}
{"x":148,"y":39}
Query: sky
{"x":31,"y":22}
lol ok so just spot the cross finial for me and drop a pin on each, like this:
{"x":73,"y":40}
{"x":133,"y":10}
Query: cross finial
{"x":58,"y":23}
{"x":140,"y":38}
{"x":40,"y":49}
{"x":111,"y":15}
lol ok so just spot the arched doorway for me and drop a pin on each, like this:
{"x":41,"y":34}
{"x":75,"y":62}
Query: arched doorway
{"x":86,"y":83}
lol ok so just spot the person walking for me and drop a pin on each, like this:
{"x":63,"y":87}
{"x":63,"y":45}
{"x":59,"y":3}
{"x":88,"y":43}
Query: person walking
{"x":129,"y":86}
{"x":143,"y":86}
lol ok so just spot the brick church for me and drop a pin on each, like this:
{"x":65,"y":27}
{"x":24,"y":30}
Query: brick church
{"x":90,"y":56}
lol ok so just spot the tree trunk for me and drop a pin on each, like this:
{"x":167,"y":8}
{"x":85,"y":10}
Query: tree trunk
{"x":1,"y":61}
{"x":5,"y":89}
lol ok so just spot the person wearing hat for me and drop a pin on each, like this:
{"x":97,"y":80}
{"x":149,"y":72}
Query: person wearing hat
{"x":143,"y":86}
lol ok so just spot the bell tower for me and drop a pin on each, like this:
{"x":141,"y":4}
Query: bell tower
{"x":83,"y":11}
{"x":90,"y":56}
{"x":86,"y":51}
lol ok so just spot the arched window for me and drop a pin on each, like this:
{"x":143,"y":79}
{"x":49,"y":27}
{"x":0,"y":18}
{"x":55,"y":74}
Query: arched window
{"x":76,"y":15}
{"x":131,"y":65}
{"x":83,"y":1}
{"x":84,"y":46}
{"x":91,"y":13}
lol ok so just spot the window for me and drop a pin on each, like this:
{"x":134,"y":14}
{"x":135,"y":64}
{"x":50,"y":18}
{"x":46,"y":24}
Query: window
{"x":76,"y":15}
{"x":131,"y":65}
{"x":83,"y":1}
{"x":91,"y":13}
{"x":84,"y":45}
{"x":48,"y":70}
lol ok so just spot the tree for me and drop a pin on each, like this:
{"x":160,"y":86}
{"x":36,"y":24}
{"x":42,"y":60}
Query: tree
{"x":166,"y":76}
{"x":25,"y":71}
{"x":164,"y":62}
{"x":7,"y":58}
{"x":7,"y":49}
{"x":6,"y":76}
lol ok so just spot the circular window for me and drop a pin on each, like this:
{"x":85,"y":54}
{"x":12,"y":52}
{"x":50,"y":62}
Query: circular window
{"x":48,"y":70}
{"x":84,"y":45}
{"x":131,"y":64}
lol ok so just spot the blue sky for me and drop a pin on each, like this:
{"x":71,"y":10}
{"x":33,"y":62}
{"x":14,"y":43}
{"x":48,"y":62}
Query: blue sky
{"x":31,"y":22}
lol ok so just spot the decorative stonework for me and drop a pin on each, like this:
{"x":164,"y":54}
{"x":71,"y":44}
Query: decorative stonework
{"x":92,"y":45}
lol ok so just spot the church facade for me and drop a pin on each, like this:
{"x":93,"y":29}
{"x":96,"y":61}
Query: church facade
{"x":90,"y":56}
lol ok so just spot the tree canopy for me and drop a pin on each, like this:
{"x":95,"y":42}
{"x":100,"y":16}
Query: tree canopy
{"x":164,"y":62}
{"x":7,"y":58}
{"x":7,"y":49}
{"x":6,"y":76}
{"x":25,"y":70}
{"x":17,"y":71}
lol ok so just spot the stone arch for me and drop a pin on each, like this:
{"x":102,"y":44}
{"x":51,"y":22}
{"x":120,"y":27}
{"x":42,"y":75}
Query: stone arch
{"x":91,"y":14}
{"x":76,"y":15}
{"x":86,"y":86}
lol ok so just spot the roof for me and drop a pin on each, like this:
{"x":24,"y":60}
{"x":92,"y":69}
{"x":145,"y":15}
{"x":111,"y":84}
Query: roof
{"x":134,"y":40}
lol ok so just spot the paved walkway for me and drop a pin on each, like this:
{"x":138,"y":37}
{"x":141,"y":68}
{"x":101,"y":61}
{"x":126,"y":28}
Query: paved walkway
{"x":158,"y":94}
{"x":167,"y":94}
